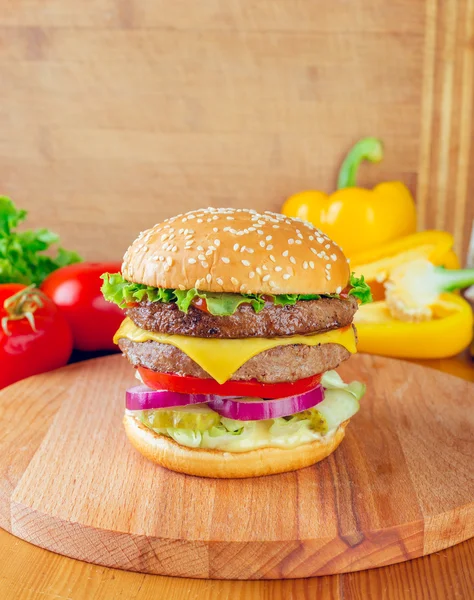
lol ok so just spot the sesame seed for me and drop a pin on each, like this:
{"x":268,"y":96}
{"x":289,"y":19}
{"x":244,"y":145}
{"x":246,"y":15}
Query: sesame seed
{"x":249,"y":250}
{"x":291,"y":241}
{"x":327,"y":246}
{"x":320,"y":240}
{"x":298,"y":242}
{"x":192,"y":261}
{"x":293,"y":260}
{"x":262,"y":244}
{"x":164,"y":237}
{"x":230,"y":218}
{"x":200,"y":248}
{"x":181,"y":286}
{"x":268,"y":238}
{"x":217,"y":242}
{"x":199,"y":221}
{"x":201,"y":257}
{"x":236,"y":247}
{"x":278,"y":268}
{"x":276,"y":226}
{"x":328,"y":267}
{"x":251,"y":274}
{"x":311,"y":264}
{"x":234,"y":281}
{"x":265,"y":277}
{"x":264,"y":267}
{"x":285,"y":253}
{"x":338,"y":289}
{"x":169,"y":260}
{"x":313,"y":250}
{"x":305,"y":264}
{"x":299,"y":235}
{"x":204,"y":264}
{"x":269,"y":247}
{"x":215,"y":229}
{"x":259,"y":231}
{"x":224,"y":259}
{"x":259,"y":270}
{"x":208,"y":278}
{"x":166,"y":267}
{"x":286,"y":276}
{"x":333,"y":257}
{"x":246,"y":263}
{"x":272,"y":258}
{"x":311,"y":238}
{"x":219,"y":281}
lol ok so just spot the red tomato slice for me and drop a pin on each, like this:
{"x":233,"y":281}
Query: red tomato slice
{"x":194,"y":385}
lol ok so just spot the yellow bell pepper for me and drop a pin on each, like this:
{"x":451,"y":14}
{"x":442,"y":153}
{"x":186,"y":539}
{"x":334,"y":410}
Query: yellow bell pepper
{"x":357,"y":218}
{"x":377,"y":264}
{"x":447,"y":334}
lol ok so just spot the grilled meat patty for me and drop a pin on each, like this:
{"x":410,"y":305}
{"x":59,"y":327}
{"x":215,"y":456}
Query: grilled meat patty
{"x":306,"y":316}
{"x":280,"y":364}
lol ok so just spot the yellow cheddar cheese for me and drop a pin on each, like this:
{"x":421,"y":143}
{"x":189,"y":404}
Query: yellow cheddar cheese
{"x":221,"y":358}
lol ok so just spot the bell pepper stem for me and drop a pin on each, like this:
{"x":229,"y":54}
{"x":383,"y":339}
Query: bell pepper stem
{"x":370,"y":149}
{"x":454,"y":279}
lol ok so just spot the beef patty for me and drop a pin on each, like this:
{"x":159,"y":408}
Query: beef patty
{"x":306,"y":316}
{"x":280,"y":364}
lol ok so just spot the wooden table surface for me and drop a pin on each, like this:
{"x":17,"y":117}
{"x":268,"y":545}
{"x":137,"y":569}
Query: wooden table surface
{"x":28,"y":572}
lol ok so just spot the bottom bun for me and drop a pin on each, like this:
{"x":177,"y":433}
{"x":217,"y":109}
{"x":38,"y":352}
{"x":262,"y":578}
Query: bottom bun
{"x":217,"y":463}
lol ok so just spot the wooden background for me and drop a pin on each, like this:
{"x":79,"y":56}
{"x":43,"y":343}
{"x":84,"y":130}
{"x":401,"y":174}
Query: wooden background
{"x":117,"y":113}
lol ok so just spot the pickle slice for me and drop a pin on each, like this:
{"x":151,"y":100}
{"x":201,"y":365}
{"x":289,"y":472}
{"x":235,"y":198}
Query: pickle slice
{"x":317,"y":421}
{"x":198,"y":417}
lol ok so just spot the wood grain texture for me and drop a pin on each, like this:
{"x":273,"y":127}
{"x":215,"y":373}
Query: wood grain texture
{"x":447,"y":127}
{"x":130,"y":111}
{"x":405,"y":490}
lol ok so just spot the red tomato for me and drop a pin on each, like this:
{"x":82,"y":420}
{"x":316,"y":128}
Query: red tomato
{"x":28,"y":348}
{"x":201,"y":304}
{"x":76,"y":290}
{"x":195,"y":385}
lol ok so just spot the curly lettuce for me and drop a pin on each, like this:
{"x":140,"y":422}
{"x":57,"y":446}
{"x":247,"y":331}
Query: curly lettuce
{"x":122,"y":292}
{"x":360,"y":289}
{"x":22,"y":258}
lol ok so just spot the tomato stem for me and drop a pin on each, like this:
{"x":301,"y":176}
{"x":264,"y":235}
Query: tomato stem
{"x":22,"y":305}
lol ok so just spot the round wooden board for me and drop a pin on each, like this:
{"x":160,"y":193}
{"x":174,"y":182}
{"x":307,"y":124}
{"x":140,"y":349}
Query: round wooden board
{"x":401,"y":485}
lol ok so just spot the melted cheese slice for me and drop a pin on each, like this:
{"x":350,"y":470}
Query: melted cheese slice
{"x":221,"y":358}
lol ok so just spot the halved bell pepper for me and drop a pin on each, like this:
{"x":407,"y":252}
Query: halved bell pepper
{"x":356,"y":218}
{"x":447,"y":334}
{"x":377,"y":264}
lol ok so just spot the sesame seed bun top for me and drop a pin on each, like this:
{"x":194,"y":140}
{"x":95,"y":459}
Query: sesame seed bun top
{"x":239,"y":251}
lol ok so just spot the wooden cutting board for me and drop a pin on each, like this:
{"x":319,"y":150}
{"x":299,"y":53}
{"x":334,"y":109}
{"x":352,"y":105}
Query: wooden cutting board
{"x":400,"y":486}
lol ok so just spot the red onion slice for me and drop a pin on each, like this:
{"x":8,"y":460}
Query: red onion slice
{"x":141,"y":397}
{"x":257,"y":410}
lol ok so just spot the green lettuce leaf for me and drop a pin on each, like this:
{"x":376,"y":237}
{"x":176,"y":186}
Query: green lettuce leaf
{"x":122,"y":292}
{"x":360,"y":289}
{"x":21,"y":258}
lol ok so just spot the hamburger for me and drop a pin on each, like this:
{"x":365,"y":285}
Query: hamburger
{"x":235,"y":322}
